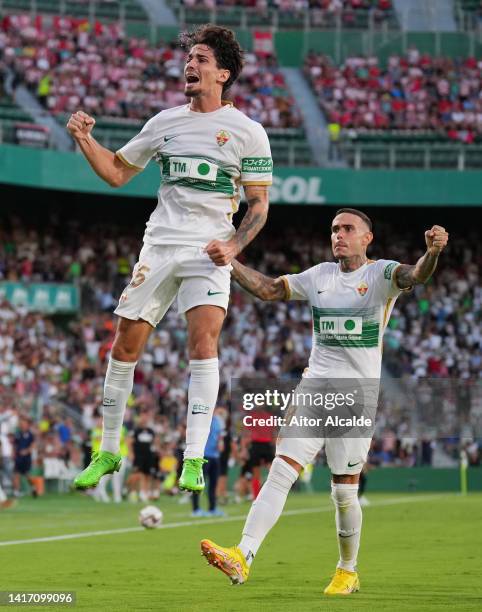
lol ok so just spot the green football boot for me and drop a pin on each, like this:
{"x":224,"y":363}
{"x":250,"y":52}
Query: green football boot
{"x":192,"y":477}
{"x":102,"y":463}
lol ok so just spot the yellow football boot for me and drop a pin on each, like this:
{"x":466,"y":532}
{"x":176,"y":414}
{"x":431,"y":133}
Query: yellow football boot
{"x":230,"y":561}
{"x":343,"y":583}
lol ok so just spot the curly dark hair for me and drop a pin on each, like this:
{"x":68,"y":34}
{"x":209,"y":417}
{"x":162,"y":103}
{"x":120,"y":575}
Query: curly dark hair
{"x":222,"y":41}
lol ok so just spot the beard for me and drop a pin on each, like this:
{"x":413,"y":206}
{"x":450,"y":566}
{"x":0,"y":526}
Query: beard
{"x":192,"y":92}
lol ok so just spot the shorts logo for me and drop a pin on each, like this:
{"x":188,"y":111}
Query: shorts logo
{"x":257,"y":164}
{"x":199,"y":409}
{"x":387,"y":273}
{"x":362,"y":288}
{"x":222,"y":137}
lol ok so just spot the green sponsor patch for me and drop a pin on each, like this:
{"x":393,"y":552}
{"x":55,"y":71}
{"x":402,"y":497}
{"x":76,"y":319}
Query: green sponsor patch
{"x":387,"y":273}
{"x":346,"y":327}
{"x":257,"y":164}
{"x":196,"y":172}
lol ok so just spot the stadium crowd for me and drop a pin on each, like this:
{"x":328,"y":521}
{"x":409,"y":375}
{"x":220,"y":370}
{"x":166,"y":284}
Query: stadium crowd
{"x":54,"y":368}
{"x":415,"y":92}
{"x":70,"y":64}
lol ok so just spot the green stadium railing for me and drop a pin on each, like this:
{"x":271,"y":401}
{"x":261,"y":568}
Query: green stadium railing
{"x":468,"y":15}
{"x":11,"y":117}
{"x":120,"y":10}
{"x":453,"y":156}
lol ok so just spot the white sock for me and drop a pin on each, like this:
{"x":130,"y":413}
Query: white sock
{"x":267,"y":507}
{"x":348,"y":523}
{"x":118,"y":384}
{"x":3,"y":497}
{"x":202,"y":395}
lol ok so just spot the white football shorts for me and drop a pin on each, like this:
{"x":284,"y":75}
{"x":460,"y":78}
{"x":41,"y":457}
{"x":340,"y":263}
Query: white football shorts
{"x":345,"y":455}
{"x":166,"y":272}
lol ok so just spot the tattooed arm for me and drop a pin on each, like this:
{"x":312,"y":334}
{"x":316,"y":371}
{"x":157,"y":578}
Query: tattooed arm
{"x":406,"y":276}
{"x":223,"y":253}
{"x":259,"y":285}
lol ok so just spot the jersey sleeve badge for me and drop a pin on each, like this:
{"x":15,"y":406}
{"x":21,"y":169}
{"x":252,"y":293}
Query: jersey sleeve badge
{"x":387,"y":272}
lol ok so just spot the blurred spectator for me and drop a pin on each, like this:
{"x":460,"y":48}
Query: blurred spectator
{"x":4,"y":501}
{"x":212,"y":455}
{"x":8,"y":425}
{"x":143,"y":440}
{"x":24,"y":446}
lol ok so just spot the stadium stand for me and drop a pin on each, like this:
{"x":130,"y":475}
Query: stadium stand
{"x":18,"y":126}
{"x":409,"y":113}
{"x":123,"y":81}
{"x":468,"y":10}
{"x":290,"y":14}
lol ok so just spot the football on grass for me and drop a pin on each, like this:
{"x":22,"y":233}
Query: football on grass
{"x":150,"y":517}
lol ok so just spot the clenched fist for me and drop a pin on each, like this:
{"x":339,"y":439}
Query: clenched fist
{"x":436,"y":239}
{"x":80,"y":125}
{"x":222,"y":253}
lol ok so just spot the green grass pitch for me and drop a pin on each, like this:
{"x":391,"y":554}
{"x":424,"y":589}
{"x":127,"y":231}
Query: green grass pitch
{"x":419,"y":552}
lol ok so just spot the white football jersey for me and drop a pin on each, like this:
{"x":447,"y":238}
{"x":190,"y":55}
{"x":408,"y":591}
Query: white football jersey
{"x":203,"y":159}
{"x":350,"y":311}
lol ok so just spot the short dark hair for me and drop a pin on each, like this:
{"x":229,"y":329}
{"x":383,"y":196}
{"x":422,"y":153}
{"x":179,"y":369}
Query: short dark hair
{"x":222,"y":41}
{"x":358,"y":213}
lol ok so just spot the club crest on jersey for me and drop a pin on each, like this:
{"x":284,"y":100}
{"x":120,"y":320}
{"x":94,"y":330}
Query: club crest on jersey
{"x":362,"y":288}
{"x":222,"y":137}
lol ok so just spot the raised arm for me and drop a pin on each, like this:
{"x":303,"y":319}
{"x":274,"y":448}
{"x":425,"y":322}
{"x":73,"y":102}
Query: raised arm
{"x":259,"y":285}
{"x":407,"y":276}
{"x":223,"y":253}
{"x":104,"y":162}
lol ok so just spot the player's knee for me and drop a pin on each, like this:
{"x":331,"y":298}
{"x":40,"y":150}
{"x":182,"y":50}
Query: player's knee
{"x":294,"y":464}
{"x":203,"y":346}
{"x":282,"y":475}
{"x":124,"y":352}
{"x":124,"y":349}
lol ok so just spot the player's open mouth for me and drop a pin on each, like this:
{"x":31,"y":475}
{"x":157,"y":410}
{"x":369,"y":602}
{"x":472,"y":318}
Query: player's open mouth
{"x":192,"y":78}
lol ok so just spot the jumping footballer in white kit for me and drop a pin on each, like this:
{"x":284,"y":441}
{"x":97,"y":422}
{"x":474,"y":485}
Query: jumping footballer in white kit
{"x":351,"y":302}
{"x":205,"y":150}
